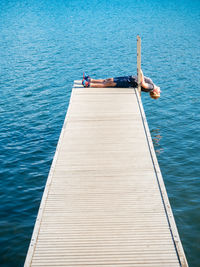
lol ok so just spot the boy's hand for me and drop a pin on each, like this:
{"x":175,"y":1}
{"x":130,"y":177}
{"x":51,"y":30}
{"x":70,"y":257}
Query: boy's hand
{"x":142,"y":76}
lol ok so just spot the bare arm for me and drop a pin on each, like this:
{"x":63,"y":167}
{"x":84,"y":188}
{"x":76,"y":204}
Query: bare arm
{"x":144,"y":84}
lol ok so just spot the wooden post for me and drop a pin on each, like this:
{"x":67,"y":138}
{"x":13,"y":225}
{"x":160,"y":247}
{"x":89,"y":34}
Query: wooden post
{"x":139,"y":63}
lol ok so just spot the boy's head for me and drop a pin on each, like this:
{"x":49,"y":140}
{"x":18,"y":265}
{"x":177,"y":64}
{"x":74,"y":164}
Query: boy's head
{"x":155,"y":94}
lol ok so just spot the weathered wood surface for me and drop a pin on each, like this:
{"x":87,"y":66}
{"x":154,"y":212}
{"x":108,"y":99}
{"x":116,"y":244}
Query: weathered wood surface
{"x":139,"y":63}
{"x":105,"y":203}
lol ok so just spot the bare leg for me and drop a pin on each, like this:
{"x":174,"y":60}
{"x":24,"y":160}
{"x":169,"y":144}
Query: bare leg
{"x":97,"y":81}
{"x":102,"y":83}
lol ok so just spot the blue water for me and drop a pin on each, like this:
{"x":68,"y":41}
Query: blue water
{"x":45,"y":45}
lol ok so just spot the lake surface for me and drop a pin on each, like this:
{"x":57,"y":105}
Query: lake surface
{"x":45,"y":46}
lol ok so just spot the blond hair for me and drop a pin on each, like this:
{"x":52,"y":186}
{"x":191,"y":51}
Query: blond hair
{"x":155,"y":94}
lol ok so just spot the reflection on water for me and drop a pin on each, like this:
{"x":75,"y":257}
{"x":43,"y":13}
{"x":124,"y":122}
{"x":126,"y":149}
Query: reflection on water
{"x":156,"y":137}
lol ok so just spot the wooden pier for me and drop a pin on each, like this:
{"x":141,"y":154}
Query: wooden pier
{"x":105,"y":203}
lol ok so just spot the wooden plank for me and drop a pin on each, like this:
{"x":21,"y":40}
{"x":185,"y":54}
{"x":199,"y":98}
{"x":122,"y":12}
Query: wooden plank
{"x":105,"y":203}
{"x":139,"y":63}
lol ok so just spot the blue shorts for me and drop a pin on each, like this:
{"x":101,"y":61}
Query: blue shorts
{"x":131,"y":81}
{"x":123,"y":82}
